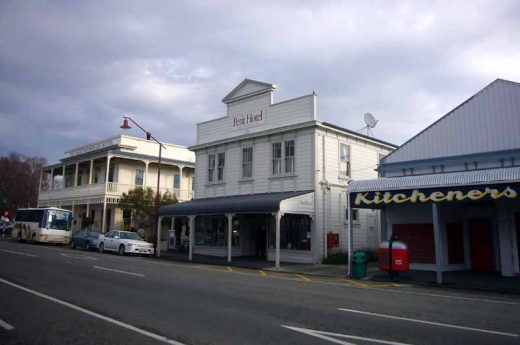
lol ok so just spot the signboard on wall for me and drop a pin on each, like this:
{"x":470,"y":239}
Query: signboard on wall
{"x":247,"y":120}
{"x":437,"y":195}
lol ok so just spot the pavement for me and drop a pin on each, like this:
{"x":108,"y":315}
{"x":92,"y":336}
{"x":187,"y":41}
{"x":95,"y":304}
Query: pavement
{"x":469,"y":280}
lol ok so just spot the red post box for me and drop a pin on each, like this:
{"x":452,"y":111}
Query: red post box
{"x":400,"y":257}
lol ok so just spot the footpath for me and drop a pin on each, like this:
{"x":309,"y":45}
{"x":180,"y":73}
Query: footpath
{"x":465,"y":280}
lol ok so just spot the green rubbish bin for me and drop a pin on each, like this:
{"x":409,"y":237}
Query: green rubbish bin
{"x":359,"y":265}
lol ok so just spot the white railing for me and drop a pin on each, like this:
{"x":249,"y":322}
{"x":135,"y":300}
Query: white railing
{"x":112,"y":188}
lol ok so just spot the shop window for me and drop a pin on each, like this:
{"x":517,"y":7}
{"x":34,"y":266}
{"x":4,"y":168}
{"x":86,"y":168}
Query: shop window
{"x":221,"y":165}
{"x":247,"y":162}
{"x":176,"y":181}
{"x":344,"y":160}
{"x":139,"y":177}
{"x":212,"y":231}
{"x":295,"y":233}
{"x":211,"y":168}
{"x":355,"y":214}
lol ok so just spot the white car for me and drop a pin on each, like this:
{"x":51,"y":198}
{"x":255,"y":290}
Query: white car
{"x":124,"y":242}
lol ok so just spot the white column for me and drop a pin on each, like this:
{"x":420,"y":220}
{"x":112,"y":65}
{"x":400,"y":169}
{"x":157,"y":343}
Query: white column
{"x":192,"y":236}
{"x":52,"y":178}
{"x":438,"y":241}
{"x":106,"y":174}
{"x":159,"y":228}
{"x":103,"y":215}
{"x":505,"y":241}
{"x":64,"y":179}
{"x":230,"y":233}
{"x":76,"y":175}
{"x":145,"y":179}
{"x":278,"y":217}
{"x":90,"y":171}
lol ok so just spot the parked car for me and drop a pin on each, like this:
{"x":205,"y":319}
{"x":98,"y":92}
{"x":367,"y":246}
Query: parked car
{"x":124,"y":242}
{"x":87,"y":239}
{"x":6,"y":227}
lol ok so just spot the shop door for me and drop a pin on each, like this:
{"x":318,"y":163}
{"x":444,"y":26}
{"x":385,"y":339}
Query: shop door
{"x":481,"y":244}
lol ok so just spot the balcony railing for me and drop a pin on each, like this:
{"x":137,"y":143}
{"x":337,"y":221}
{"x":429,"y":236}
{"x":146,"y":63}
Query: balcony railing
{"x":112,"y":188}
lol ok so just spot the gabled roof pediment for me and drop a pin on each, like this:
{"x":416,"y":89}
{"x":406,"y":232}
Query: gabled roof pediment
{"x":248,"y":88}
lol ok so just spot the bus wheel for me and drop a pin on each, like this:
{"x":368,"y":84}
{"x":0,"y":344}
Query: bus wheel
{"x":121,"y":250}
{"x":19,"y":236}
{"x":33,"y":239}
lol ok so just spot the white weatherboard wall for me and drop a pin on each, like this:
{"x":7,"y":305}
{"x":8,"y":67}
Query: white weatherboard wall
{"x":316,"y":160}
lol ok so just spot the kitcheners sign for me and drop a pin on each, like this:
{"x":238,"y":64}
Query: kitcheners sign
{"x":444,"y":195}
{"x":250,"y":119}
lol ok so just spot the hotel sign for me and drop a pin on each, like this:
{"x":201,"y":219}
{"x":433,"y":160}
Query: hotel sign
{"x":247,"y":120}
{"x":92,"y":147}
{"x":418,"y":196}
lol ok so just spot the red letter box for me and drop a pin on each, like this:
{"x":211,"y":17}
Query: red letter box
{"x":400,"y":257}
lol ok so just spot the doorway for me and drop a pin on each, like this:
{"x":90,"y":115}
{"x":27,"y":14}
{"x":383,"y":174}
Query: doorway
{"x":481,"y":244}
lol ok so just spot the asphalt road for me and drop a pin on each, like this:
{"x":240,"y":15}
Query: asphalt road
{"x":55,"y":295}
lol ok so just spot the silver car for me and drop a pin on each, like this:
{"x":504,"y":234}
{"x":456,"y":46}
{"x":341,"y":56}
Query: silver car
{"x":124,"y":242}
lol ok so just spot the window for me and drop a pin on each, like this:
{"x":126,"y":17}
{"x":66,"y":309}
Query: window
{"x":295,"y":232}
{"x":139,"y":176}
{"x":211,"y":231}
{"x":289,"y":157}
{"x":344,"y":160}
{"x":97,"y":172}
{"x":211,"y":168}
{"x":221,"y":164}
{"x":247,"y":162}
{"x":354,"y":214}
{"x":176,"y":181}
{"x":277,"y":158}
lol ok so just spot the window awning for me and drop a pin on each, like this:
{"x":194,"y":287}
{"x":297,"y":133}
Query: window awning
{"x":461,"y":178}
{"x":290,"y":202}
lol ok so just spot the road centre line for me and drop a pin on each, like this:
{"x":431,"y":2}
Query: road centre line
{"x":229,"y":269}
{"x":262,"y":273}
{"x":5,"y":325}
{"x":19,"y":253}
{"x":303,"y":277}
{"x":118,"y":271}
{"x":430,"y":322}
{"x":471,"y":299}
{"x":328,"y":336}
{"x":94,"y":314}
{"x":78,"y":256}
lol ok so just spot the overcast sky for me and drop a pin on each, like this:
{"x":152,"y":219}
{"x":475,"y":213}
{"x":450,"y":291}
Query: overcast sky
{"x":70,"y":69}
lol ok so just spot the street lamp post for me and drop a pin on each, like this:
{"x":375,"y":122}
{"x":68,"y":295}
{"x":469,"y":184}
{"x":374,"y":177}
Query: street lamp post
{"x":158,"y":193}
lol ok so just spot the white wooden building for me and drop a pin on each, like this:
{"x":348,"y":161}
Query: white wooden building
{"x":272,"y":175}
{"x":452,"y":192}
{"x":89,"y":180}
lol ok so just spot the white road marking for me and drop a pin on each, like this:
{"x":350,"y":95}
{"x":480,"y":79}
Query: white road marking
{"x":328,"y":336}
{"x":94,"y":314}
{"x":448,"y":296}
{"x":76,"y":256}
{"x":431,"y":323}
{"x":19,"y":253}
{"x":118,"y":271}
{"x":5,"y":325}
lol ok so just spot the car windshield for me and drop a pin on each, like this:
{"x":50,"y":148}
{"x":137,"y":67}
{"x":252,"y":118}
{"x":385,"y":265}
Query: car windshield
{"x":59,"y":220}
{"x":130,"y":236}
{"x":94,"y":234}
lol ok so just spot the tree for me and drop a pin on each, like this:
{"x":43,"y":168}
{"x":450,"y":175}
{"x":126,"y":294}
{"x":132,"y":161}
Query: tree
{"x":141,"y":203}
{"x":19,"y":181}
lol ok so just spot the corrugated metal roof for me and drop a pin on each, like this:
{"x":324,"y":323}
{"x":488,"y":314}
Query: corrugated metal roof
{"x":486,"y":122}
{"x":462,"y":178}
{"x":264,"y":202}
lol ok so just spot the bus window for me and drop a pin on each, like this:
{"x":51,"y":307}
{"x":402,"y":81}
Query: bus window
{"x":59,"y":220}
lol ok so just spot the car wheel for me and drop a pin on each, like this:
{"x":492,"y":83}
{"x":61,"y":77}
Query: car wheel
{"x":101,"y":247}
{"x":73,"y":245}
{"x":122,"y":250}
{"x":87,"y":246}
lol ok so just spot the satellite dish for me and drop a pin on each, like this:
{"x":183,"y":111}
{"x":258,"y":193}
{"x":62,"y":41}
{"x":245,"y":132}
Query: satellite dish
{"x":370,"y":120}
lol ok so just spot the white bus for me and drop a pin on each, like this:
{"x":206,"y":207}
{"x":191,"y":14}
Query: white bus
{"x":49,"y":225}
